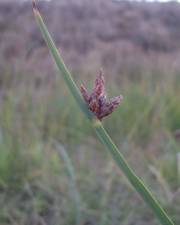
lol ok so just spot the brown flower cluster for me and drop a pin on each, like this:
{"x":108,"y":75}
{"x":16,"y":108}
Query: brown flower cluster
{"x":97,"y":101}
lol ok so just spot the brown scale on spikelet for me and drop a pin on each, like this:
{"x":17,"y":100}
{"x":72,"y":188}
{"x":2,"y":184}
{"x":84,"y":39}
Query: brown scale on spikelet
{"x":97,"y":101}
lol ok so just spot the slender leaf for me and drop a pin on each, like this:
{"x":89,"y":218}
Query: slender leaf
{"x":100,"y":131}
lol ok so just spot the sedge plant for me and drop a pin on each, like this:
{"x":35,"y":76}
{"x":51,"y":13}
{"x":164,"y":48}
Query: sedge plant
{"x":88,"y":104}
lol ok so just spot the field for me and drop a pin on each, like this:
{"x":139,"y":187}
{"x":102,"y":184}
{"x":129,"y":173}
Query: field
{"x":53,"y":170}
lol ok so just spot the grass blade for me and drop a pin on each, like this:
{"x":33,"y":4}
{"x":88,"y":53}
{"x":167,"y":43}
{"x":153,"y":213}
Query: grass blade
{"x":100,"y":131}
{"x":71,"y":172}
{"x":60,"y":64}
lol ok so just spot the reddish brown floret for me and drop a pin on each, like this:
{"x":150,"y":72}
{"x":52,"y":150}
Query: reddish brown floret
{"x":97,"y":101}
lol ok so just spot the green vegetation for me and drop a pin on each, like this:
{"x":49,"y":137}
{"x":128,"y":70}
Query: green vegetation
{"x":34,"y":181}
{"x":95,"y":122}
{"x":37,"y":180}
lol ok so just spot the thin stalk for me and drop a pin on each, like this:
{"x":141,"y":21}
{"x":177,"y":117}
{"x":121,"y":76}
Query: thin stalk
{"x":71,"y":172}
{"x":98,"y":127}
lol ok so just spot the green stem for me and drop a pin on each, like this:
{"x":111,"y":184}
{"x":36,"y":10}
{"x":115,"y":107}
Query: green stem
{"x":100,"y":131}
{"x":133,"y":179}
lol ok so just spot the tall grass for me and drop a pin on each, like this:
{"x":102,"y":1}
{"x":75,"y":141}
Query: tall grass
{"x":35,"y":185}
{"x":99,"y":129}
{"x":34,"y":178}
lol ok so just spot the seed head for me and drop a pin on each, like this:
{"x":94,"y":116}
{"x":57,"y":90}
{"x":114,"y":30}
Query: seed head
{"x":97,"y":101}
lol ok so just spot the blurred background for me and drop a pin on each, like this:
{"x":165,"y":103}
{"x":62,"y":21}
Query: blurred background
{"x":52,"y":168}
